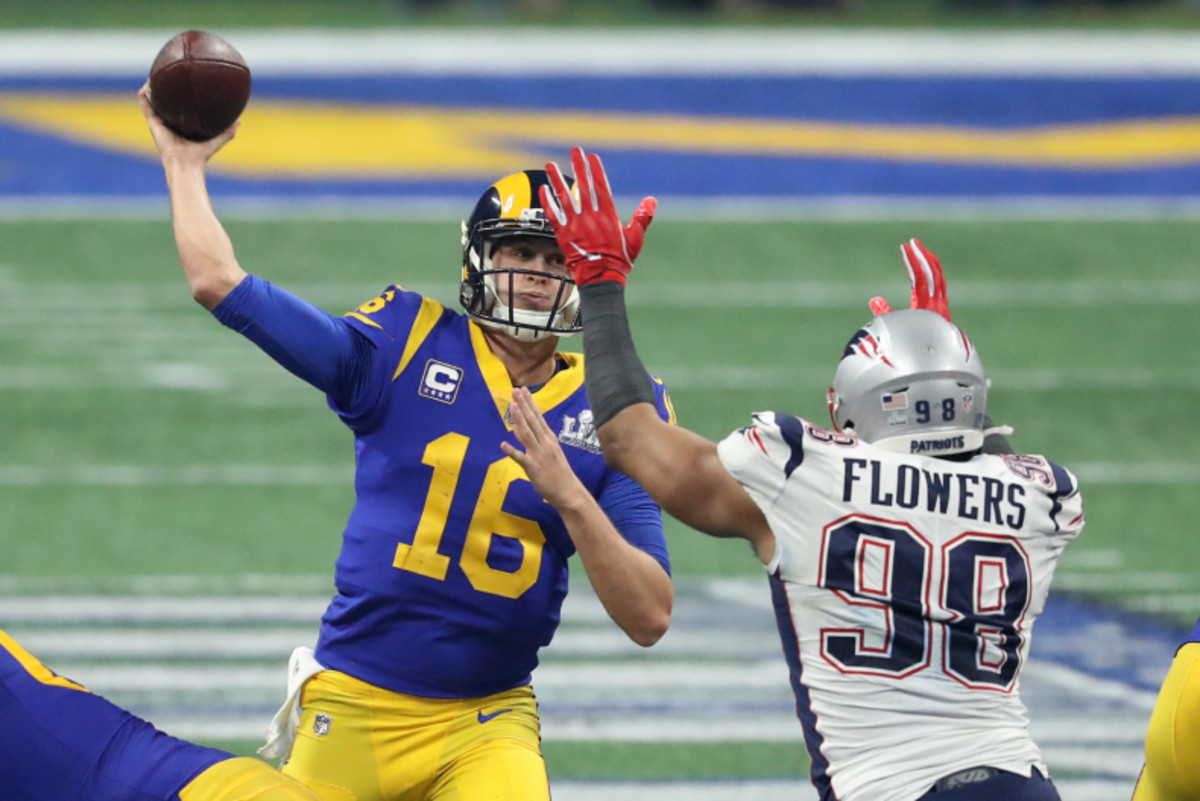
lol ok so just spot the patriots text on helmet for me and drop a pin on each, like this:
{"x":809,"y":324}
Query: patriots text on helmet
{"x":940,"y":445}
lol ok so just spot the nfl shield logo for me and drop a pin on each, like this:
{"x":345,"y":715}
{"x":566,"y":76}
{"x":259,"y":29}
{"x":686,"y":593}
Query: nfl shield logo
{"x":321,"y":724}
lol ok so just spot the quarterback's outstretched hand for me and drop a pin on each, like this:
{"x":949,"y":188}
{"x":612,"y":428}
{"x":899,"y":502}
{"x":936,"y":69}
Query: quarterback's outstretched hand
{"x":925,"y":280}
{"x":543,"y":459}
{"x":595,"y":245}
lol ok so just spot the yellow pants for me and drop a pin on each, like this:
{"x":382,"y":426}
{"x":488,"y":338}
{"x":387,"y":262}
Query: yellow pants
{"x":1172,"y":771}
{"x":245,"y":779}
{"x":379,"y":745}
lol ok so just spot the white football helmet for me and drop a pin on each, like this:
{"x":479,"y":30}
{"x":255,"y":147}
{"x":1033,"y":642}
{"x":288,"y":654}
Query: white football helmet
{"x":910,"y":381}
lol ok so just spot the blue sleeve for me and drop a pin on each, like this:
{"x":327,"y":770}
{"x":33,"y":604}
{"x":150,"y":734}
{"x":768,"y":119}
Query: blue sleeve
{"x":635,"y":514}
{"x":311,"y":343}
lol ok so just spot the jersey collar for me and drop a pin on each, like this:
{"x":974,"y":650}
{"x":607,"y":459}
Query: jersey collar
{"x":562,"y":385}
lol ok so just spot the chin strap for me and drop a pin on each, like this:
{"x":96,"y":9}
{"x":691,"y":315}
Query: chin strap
{"x":995,"y":438}
{"x":831,"y":402}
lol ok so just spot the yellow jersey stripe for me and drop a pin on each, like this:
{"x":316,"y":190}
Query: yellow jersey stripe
{"x":427,"y":317}
{"x":561,"y":386}
{"x":34,"y":667}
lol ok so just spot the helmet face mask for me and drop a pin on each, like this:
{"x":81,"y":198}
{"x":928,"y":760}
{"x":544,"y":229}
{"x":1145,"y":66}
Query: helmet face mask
{"x":509,"y":208}
{"x":910,"y":381}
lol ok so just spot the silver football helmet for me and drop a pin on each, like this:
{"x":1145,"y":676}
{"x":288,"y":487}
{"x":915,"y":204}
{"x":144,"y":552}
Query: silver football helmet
{"x":910,"y":381}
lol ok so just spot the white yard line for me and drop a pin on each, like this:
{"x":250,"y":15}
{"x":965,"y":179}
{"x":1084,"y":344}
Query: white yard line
{"x":776,"y":789}
{"x":135,"y":476}
{"x":1130,"y":581}
{"x":1032,"y":379}
{"x":198,"y":587}
{"x":194,"y":475}
{"x":245,"y":373}
{"x":729,"y":790}
{"x":1077,"y":681}
{"x":120,"y":305}
{"x":577,"y":684}
{"x":266,"y":643}
{"x":213,"y":668}
{"x":664,"y":51}
{"x":715,"y":210}
{"x":160,"y":610}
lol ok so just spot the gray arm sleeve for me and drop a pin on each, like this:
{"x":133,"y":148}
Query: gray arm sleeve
{"x":615,"y":375}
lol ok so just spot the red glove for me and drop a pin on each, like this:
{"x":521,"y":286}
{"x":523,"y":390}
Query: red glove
{"x":595,"y":246}
{"x":635,"y":232}
{"x":925,"y":279}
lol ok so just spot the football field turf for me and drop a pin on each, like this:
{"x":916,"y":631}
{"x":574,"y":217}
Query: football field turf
{"x":156,"y":458}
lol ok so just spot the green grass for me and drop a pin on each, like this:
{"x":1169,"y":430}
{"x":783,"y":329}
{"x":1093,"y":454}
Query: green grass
{"x":666,"y":761}
{"x":653,"y":761}
{"x":141,"y":319}
{"x":375,"y":14}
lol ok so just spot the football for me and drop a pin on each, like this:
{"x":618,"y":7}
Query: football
{"x":199,"y":85}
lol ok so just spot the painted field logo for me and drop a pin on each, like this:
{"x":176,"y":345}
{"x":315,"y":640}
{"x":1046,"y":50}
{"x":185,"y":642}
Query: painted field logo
{"x":440,"y":381}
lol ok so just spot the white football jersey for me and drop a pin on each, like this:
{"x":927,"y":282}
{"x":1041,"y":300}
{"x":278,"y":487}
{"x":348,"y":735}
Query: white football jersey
{"x":905,"y":588}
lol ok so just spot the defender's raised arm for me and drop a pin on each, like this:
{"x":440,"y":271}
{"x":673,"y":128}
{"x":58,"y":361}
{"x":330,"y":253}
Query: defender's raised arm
{"x":635,"y":440}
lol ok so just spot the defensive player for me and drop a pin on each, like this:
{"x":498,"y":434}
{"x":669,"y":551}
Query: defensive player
{"x":1172,"y":771}
{"x":453,"y":569}
{"x":907,"y":567}
{"x":59,"y":742}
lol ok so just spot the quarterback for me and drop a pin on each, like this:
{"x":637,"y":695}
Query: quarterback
{"x":453,"y":568}
{"x":1172,"y":771}
{"x":59,"y":742}
{"x":907,"y":565}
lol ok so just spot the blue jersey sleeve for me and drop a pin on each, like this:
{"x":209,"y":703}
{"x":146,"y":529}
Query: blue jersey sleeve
{"x":59,"y":741}
{"x":309,"y":342}
{"x":630,"y":509}
{"x":395,"y":322}
{"x":635,"y":514}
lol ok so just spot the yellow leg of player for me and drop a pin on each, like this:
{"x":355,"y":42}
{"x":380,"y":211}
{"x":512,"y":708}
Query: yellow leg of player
{"x":1172,"y":771}
{"x":334,"y":738}
{"x":386,"y":746}
{"x":245,"y":779}
{"x":503,"y":770}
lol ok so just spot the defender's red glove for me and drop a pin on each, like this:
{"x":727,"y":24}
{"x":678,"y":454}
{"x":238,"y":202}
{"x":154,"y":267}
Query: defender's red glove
{"x":925,"y":279}
{"x":635,"y":232}
{"x":595,"y":246}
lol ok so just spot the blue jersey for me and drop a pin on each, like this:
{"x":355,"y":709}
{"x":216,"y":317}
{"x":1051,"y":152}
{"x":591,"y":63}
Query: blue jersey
{"x":453,"y":569}
{"x":1195,"y":635}
{"x":59,"y":742}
